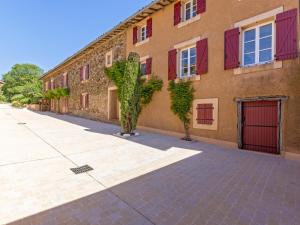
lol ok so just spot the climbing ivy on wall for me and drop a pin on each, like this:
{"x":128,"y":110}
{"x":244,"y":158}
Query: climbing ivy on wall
{"x":133,"y":92}
{"x":182,"y":96}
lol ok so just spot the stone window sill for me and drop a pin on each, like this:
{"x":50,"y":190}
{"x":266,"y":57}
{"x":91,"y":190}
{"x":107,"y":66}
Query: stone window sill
{"x":184,"y":23}
{"x":142,"y":42}
{"x":257,"y":68}
{"x":84,"y":81}
{"x":191,"y":78}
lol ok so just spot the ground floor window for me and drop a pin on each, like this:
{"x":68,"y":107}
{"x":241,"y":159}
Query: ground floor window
{"x":84,"y":100}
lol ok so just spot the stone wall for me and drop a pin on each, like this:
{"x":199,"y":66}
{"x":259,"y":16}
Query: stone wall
{"x":97,"y":84}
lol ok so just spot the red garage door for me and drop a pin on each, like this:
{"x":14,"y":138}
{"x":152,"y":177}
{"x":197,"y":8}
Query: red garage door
{"x":260,"y":126}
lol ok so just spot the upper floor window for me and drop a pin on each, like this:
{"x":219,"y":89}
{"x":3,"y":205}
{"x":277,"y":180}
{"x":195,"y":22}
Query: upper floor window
{"x":108,"y":59}
{"x":84,"y":72}
{"x":190,"y":9}
{"x":188,"y":59}
{"x":258,"y":44}
{"x":143,"y":33}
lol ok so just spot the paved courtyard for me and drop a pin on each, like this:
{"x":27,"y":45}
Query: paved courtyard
{"x":146,"y":180}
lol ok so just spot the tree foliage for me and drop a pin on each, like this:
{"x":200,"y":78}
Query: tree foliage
{"x":22,"y":84}
{"x":132,"y":91}
{"x":182,"y":95}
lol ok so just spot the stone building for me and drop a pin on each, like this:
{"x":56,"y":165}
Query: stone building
{"x":241,"y":56}
{"x":84,"y":74}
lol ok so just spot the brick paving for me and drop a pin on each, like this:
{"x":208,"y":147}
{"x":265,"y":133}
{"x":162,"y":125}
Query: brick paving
{"x":151,"y":179}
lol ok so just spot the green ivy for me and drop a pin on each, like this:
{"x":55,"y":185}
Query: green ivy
{"x":132,"y":91}
{"x":182,"y":96}
{"x":149,"y":88}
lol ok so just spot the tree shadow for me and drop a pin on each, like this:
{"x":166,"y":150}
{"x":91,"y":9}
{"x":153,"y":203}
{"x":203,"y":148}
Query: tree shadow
{"x":150,"y":139}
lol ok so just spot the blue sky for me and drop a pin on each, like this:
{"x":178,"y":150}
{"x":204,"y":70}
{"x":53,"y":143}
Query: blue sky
{"x":45,"y":32}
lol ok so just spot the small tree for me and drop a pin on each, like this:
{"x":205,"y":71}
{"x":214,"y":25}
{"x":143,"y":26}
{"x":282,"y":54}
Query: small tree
{"x":132,"y":90}
{"x":57,"y":94}
{"x":182,"y":95}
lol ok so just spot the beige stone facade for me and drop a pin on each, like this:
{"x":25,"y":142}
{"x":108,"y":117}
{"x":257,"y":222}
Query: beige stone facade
{"x":224,"y":87}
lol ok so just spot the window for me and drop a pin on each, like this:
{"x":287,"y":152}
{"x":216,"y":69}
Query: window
{"x":188,"y":59}
{"x":143,"y":68}
{"x":108,"y":59}
{"x":190,"y":9}
{"x":84,"y":101}
{"x":205,"y":114}
{"x":52,"y":85}
{"x":85,"y":72}
{"x":143,"y":33}
{"x":258,"y":44}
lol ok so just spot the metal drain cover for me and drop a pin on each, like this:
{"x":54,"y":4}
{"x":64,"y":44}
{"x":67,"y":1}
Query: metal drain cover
{"x":82,"y":169}
{"x":21,"y":123}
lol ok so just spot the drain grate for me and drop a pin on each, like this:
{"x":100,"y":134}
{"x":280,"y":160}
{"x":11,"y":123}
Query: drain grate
{"x":82,"y":169}
{"x":21,"y":123}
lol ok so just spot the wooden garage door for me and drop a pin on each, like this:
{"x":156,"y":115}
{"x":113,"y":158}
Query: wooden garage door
{"x":260,"y":126}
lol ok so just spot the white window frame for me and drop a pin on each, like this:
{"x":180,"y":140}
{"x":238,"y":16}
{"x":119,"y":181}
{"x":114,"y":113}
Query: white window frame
{"x":52,"y":84}
{"x":191,"y":10}
{"x":65,"y":79}
{"x":189,"y":61}
{"x":143,"y":34}
{"x":83,"y":95}
{"x":46,"y":85}
{"x":142,"y":63}
{"x":109,"y":54}
{"x":84,"y":75}
{"x":257,"y":39}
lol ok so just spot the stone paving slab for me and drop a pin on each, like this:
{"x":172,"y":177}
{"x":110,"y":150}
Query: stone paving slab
{"x":150,"y":179}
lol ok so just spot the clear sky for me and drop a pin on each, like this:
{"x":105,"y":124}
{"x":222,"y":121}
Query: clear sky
{"x":45,"y":32}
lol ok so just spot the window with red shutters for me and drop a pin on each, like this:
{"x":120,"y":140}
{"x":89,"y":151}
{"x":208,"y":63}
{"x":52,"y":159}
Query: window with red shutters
{"x":172,"y":68}
{"x":202,"y":56}
{"x":205,"y":114}
{"x":81,"y":101}
{"x":67,"y":80}
{"x":81,"y":74}
{"x":62,"y":80}
{"x":177,"y":13}
{"x":135,"y":35}
{"x":148,"y":66}
{"x":149,"y":28}
{"x":231,"y":55}
{"x":87,"y":72}
{"x":286,"y":35}
{"x":201,"y":6}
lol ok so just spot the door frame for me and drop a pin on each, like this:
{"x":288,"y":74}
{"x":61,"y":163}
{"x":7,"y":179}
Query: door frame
{"x":280,"y":99}
{"x":109,"y":91}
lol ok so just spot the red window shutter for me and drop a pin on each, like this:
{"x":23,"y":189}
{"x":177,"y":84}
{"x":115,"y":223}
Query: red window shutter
{"x":62,"y":81}
{"x":67,"y":80}
{"x":232,"y":49}
{"x":177,"y":13}
{"x":49,"y":85}
{"x":81,"y":74}
{"x":286,"y":35}
{"x":201,"y":6}
{"x":87,"y":99}
{"x":202,"y":56}
{"x":205,"y":114}
{"x":135,"y":35}
{"x":149,"y":66}
{"x":149,"y":28}
{"x":81,"y":96}
{"x":172,"y":73}
{"x":87,"y":71}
